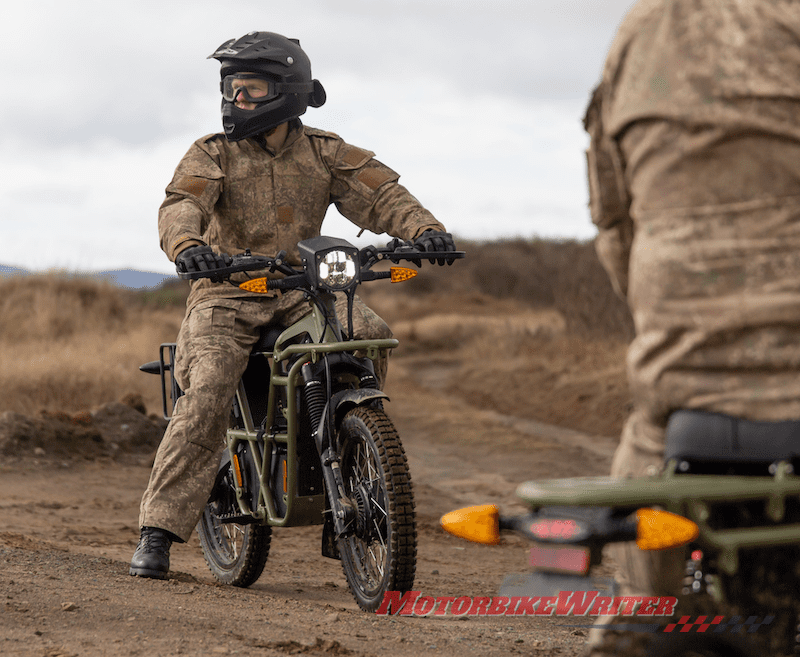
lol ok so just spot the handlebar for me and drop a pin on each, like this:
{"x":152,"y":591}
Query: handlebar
{"x":295,"y":276}
{"x":371,"y":255}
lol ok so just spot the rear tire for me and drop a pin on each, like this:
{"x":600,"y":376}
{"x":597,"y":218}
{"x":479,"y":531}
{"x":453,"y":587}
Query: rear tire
{"x":380,"y":552}
{"x":236,"y":554}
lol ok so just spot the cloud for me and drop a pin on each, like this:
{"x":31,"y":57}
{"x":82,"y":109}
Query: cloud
{"x":479,"y":162}
{"x":85,"y":207}
{"x":131,"y":70}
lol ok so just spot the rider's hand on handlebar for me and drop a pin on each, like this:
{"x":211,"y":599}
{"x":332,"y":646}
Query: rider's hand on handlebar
{"x":434,"y":240}
{"x":402,"y":245}
{"x":201,"y":258}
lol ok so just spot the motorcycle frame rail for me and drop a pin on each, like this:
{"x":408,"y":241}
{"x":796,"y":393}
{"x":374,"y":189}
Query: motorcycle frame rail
{"x":691,"y":496}
{"x":298,"y":508}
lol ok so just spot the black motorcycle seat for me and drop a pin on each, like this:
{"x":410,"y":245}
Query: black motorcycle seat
{"x":266,"y":340}
{"x":713,"y":437}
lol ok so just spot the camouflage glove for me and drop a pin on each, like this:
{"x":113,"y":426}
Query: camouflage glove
{"x":434,"y":240}
{"x":201,"y":258}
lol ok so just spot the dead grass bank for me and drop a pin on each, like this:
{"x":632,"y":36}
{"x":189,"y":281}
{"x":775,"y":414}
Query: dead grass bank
{"x":70,"y":344}
{"x":539,"y":273}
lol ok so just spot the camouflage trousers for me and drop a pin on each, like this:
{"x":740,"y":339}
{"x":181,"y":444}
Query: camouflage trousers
{"x":213,"y":348}
{"x":638,"y":573}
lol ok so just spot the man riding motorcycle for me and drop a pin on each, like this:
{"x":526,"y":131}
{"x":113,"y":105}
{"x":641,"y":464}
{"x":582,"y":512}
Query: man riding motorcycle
{"x":264,"y":184}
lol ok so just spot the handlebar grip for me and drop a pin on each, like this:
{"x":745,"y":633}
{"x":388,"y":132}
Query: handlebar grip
{"x":415,"y":254}
{"x":288,"y":283}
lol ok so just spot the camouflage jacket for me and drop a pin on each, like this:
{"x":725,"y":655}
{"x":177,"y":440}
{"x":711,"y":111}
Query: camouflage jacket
{"x":238,"y":195}
{"x":694,"y":173}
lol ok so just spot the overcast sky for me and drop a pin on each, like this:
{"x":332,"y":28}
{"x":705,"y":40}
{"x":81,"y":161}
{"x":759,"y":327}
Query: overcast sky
{"x":477,"y":105}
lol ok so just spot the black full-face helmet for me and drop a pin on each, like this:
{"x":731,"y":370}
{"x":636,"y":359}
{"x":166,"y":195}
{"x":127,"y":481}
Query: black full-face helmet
{"x":277,"y":72}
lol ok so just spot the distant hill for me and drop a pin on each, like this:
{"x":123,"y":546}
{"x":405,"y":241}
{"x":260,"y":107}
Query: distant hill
{"x":134,"y":279}
{"x":129,"y":278}
{"x":6,"y":270}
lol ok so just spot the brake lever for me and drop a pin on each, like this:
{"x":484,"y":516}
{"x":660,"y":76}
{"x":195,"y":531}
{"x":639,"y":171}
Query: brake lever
{"x":368,"y":256}
{"x":280,"y":265}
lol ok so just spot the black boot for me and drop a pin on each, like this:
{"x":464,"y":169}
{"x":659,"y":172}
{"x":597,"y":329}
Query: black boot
{"x":151,"y":558}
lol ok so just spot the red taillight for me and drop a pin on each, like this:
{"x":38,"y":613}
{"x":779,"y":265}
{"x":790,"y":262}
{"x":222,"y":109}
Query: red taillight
{"x":555,"y":529}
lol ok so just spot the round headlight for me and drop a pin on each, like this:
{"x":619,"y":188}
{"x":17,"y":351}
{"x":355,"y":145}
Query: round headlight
{"x":337,"y":269}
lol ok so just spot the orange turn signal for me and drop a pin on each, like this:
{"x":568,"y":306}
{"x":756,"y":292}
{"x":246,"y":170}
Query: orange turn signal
{"x":658,"y":530}
{"x":255,"y":285}
{"x":400,"y":274}
{"x":479,"y":524}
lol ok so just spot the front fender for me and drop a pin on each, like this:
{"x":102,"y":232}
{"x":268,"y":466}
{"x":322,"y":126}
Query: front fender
{"x":344,"y":400}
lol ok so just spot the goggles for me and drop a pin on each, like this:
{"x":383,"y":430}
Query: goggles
{"x":256,"y":89}
{"x":253,"y":89}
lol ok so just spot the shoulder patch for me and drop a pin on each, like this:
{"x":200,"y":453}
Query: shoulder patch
{"x":374,"y":178}
{"x":355,"y":157}
{"x":193,"y":185}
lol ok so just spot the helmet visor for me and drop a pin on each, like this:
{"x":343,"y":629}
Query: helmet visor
{"x":247,"y":87}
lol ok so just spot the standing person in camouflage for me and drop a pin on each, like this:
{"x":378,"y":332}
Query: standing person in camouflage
{"x":694,"y":172}
{"x":264,"y":184}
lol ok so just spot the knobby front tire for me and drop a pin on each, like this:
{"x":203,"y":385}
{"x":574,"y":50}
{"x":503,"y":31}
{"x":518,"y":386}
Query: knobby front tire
{"x":380,"y":552}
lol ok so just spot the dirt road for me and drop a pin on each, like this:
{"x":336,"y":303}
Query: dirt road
{"x":68,"y":529}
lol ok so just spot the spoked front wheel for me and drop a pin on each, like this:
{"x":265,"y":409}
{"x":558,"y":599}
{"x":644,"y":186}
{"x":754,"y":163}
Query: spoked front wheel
{"x":379,"y":553}
{"x":235,"y":553}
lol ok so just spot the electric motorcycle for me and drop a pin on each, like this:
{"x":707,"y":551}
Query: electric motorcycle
{"x":309,"y":442}
{"x":728,"y":496}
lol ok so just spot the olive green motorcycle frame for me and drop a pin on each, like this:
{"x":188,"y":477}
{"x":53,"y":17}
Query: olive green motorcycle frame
{"x":325,"y":339}
{"x":325,"y":334}
{"x":691,"y":496}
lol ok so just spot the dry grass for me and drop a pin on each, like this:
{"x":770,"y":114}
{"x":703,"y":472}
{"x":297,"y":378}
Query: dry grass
{"x":558,"y":378}
{"x":71,"y":344}
{"x":565,"y":275}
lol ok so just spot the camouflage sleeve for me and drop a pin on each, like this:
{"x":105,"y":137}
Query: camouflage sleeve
{"x":368,"y":193}
{"x":191,"y":196}
{"x":609,"y":199}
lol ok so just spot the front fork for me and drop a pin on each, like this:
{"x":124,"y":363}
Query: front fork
{"x":343,"y":511}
